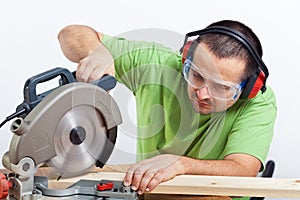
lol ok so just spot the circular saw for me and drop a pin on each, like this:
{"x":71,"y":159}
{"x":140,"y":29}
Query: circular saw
{"x":71,"y":128}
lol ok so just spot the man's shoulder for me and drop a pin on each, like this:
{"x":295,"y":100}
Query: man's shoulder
{"x":267,"y":97}
{"x":262,"y":101}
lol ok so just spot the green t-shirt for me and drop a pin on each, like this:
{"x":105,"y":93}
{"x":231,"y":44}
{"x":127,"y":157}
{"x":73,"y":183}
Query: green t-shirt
{"x":167,"y":122}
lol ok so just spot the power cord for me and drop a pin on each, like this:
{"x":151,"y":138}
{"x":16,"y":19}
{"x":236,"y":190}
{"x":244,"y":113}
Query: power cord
{"x":16,"y":114}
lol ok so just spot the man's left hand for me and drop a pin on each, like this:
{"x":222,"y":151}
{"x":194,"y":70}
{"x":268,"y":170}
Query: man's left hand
{"x":147,"y":174}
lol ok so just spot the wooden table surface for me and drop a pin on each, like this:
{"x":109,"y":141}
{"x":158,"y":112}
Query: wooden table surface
{"x":114,"y":172}
{"x":192,"y":186}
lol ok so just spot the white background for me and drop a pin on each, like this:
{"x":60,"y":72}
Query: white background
{"x":29,"y":45}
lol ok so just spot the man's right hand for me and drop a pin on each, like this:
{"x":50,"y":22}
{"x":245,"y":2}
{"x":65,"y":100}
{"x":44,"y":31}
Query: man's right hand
{"x":95,"y":65}
{"x":82,"y":44}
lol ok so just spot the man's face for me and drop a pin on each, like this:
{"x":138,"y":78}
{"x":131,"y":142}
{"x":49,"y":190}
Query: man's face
{"x":216,"y":81}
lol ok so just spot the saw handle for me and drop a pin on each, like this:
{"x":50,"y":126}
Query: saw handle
{"x":31,"y":98}
{"x":31,"y":83}
{"x":106,"y":82}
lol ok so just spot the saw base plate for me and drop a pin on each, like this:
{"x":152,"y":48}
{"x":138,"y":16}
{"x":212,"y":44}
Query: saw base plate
{"x":87,"y":189}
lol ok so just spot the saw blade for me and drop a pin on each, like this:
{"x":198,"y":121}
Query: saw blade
{"x":79,"y":141}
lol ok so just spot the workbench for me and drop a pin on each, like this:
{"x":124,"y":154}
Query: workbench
{"x":191,"y":186}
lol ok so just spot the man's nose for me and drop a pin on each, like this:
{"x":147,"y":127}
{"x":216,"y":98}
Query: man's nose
{"x":203,"y":93}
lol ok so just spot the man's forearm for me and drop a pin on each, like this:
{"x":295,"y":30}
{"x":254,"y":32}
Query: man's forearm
{"x":243,"y":166}
{"x":77,"y":41}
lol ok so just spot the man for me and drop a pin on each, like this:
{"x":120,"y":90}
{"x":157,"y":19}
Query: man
{"x":193,"y":116}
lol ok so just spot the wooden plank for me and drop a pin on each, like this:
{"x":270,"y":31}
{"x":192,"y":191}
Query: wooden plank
{"x":194,"y":185}
{"x":231,"y":186}
{"x":212,"y":185}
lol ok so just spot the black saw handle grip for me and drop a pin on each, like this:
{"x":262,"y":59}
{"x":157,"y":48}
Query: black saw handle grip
{"x":106,"y":82}
{"x":31,"y":98}
{"x":30,"y":94}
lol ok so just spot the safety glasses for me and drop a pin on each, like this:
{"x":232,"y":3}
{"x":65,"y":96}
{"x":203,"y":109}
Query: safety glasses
{"x":217,"y":88}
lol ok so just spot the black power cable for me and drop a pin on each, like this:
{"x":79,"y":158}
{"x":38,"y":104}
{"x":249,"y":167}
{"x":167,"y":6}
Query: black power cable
{"x":16,"y":114}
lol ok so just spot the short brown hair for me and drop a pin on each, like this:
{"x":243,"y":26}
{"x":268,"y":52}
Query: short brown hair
{"x":224,"y":46}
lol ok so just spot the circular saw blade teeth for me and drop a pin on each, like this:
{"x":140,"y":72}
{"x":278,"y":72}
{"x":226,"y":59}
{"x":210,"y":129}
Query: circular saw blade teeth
{"x":79,"y":141}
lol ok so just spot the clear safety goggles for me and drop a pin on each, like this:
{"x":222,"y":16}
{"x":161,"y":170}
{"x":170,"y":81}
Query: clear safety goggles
{"x":217,"y":88}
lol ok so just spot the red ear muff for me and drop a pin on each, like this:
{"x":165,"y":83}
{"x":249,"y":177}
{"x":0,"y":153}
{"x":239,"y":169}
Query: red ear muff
{"x":185,"y":50}
{"x":257,"y":85}
{"x":254,"y":84}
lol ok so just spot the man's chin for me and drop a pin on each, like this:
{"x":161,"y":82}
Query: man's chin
{"x":204,"y":110}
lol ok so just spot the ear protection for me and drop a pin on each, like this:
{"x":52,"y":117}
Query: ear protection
{"x":256,"y":81}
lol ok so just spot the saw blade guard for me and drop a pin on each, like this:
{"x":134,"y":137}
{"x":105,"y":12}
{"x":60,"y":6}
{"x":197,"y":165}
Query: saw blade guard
{"x":72,"y":129}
